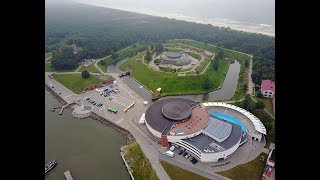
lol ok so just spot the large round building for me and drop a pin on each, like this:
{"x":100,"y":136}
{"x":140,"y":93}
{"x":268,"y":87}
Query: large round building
{"x":178,"y":59}
{"x":187,"y":124}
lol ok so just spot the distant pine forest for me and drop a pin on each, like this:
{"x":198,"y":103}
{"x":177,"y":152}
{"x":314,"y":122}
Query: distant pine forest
{"x":100,"y":32}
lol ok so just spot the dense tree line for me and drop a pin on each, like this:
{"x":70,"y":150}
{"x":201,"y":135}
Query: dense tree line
{"x":102,"y":31}
{"x":262,"y":69}
{"x":148,"y":56}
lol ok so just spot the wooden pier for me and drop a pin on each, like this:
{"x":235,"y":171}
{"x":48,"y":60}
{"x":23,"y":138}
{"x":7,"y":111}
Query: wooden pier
{"x":65,"y":106}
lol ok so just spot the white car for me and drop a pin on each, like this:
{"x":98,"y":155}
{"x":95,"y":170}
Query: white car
{"x":187,"y":156}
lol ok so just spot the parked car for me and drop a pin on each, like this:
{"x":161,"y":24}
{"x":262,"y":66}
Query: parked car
{"x":184,"y":154}
{"x":187,"y":156}
{"x":180,"y":152}
{"x":192,"y":159}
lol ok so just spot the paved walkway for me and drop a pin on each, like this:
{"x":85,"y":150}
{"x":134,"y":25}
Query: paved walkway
{"x":48,"y":58}
{"x":250,"y":83}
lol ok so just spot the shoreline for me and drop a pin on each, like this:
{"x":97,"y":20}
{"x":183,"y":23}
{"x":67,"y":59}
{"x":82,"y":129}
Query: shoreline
{"x":217,"y":22}
{"x":125,"y":133}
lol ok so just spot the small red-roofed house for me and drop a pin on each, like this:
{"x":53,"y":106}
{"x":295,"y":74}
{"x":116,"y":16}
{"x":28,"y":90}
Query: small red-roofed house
{"x":268,"y":88}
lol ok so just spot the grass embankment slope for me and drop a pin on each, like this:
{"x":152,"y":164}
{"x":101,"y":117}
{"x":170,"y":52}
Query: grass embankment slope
{"x":138,"y":163}
{"x":170,"y":83}
{"x":90,"y":68}
{"x":248,"y":171}
{"x":128,"y":52}
{"x":177,"y":173}
{"x":76,"y":83}
{"x":242,"y":58}
{"x":102,"y":67}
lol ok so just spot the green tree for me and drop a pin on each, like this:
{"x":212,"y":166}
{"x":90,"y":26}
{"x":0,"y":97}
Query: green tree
{"x":259,"y":94}
{"x":102,"y":62}
{"x":157,"y":61}
{"x":267,"y":125}
{"x":159,"y":47}
{"x":260,"y":105}
{"x":197,"y":72}
{"x":238,"y":103}
{"x":220,"y":54}
{"x":206,"y":84}
{"x":152,"y":47}
{"x":85,"y":74}
{"x":246,"y":64}
{"x":148,"y":56}
{"x":245,"y":87}
{"x":271,"y":133}
{"x":215,"y":64}
{"x":248,"y":104}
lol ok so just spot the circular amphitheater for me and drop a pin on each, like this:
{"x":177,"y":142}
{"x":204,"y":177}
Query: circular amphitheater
{"x":209,"y":131}
{"x":178,"y":59}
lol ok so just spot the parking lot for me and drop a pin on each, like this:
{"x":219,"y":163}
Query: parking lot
{"x":111,"y":96}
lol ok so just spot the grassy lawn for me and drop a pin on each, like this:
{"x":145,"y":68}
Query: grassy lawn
{"x":169,"y":49}
{"x":48,"y":67}
{"x":76,"y":83}
{"x":170,"y":83}
{"x":194,"y":55}
{"x":90,"y":68}
{"x":184,"y":70}
{"x":267,"y":102}
{"x":102,"y":67}
{"x":177,"y":173}
{"x":122,"y":54}
{"x":248,"y":171}
{"x":196,"y":44}
{"x":138,"y":163}
{"x":203,"y":64}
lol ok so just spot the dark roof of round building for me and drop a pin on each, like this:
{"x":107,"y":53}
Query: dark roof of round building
{"x":156,"y":120}
{"x":176,"y":111}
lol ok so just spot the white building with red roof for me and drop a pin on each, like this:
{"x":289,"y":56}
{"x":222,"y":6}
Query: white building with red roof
{"x":268,"y":88}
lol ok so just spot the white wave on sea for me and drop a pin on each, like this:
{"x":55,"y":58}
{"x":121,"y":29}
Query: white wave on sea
{"x":227,"y":23}
{"x":232,"y":24}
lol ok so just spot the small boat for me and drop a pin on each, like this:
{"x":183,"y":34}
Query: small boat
{"x":50,"y":165}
